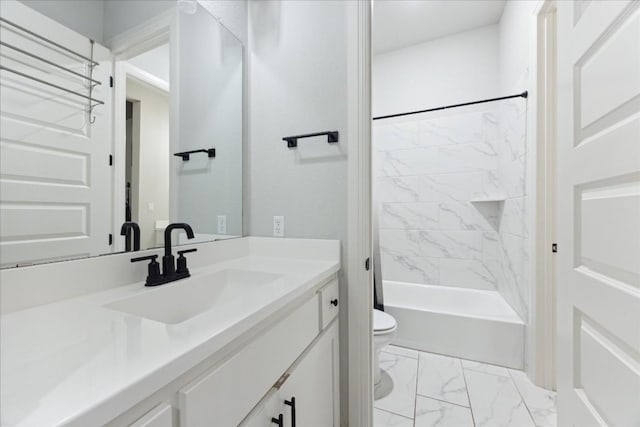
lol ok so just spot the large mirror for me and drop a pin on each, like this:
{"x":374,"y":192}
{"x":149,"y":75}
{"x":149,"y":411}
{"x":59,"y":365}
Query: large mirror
{"x":141,"y":128}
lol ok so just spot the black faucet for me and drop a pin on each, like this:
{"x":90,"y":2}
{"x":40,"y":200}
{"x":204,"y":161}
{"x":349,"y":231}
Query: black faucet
{"x":168,"y":265}
{"x":125,"y":231}
{"x":169,"y":271}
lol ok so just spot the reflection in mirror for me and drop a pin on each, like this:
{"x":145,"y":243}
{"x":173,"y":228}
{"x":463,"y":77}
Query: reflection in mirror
{"x":206,"y":192}
{"x":90,"y":131}
{"x":147,"y":144}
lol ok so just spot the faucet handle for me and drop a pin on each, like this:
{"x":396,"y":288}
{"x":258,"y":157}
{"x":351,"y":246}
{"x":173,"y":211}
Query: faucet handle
{"x":144,"y":258}
{"x":182,"y":262}
{"x":186,"y":251}
{"x":153,"y":270}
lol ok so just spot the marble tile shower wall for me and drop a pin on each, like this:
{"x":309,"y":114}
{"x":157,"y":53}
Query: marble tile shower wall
{"x":432,"y":173}
{"x":428,"y":170}
{"x":513,"y":235}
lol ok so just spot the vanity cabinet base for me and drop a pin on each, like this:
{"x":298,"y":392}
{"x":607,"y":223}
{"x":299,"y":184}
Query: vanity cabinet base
{"x":291,"y":368}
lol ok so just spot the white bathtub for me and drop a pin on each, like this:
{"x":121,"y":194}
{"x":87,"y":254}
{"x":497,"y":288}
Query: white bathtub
{"x":467,"y":323}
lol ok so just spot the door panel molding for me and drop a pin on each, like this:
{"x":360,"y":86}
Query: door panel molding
{"x":599,"y":213}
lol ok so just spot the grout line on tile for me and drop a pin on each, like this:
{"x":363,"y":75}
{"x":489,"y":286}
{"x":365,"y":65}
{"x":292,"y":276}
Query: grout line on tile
{"x":485,"y":372}
{"x":387,"y":410}
{"x":415,"y":396}
{"x":466,"y":386}
{"x":393,"y":413}
{"x":524,"y":402}
{"x":444,"y":401}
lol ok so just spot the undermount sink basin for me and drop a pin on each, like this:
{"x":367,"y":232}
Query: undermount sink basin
{"x":181,"y":300}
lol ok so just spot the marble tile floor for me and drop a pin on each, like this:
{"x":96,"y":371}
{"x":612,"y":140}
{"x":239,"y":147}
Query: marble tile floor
{"x":421,"y":389}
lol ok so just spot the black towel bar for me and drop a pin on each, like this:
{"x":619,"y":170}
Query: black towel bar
{"x":292,"y":141}
{"x":211,"y":152}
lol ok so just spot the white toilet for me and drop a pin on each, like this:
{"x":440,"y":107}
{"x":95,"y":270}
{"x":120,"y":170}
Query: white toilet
{"x":384,"y":329}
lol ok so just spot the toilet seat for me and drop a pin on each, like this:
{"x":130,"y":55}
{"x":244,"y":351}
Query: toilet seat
{"x":383,"y":323}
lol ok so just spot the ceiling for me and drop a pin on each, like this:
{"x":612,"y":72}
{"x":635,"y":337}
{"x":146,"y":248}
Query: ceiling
{"x":401,"y":23}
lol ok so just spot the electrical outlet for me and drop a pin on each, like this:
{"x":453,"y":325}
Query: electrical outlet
{"x":222,"y":224}
{"x":278,"y":226}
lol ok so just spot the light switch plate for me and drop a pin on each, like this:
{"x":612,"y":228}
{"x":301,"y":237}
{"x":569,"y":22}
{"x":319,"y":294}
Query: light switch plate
{"x":222,"y":224}
{"x":278,"y":226}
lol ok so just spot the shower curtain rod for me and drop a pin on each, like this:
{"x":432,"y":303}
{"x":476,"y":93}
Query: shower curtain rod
{"x":482,"y":101}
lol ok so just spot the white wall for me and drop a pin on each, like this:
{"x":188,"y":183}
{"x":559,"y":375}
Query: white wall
{"x":486,"y":62}
{"x":232,"y":14}
{"x":454,"y":69}
{"x":297,"y":84}
{"x":514,"y":45}
{"x":155,"y":62}
{"x":86,"y":17}
{"x":151,"y":160}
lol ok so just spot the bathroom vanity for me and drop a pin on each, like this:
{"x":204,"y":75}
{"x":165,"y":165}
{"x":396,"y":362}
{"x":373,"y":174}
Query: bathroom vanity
{"x":105,"y":141}
{"x":251,"y":338}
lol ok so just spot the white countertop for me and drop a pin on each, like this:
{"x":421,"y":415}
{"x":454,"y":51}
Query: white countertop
{"x":77,"y":362}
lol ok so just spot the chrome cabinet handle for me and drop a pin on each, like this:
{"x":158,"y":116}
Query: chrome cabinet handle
{"x":292,"y":403}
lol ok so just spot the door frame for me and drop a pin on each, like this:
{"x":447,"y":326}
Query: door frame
{"x":150,"y":34}
{"x":541,"y":119}
{"x":359,"y":240}
{"x":540,"y":363}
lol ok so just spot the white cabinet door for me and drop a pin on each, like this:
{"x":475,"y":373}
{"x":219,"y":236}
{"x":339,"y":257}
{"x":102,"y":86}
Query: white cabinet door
{"x":271,"y":407}
{"x":598,"y":282}
{"x":308,"y":394}
{"x":160,"y":416}
{"x":313,"y":386}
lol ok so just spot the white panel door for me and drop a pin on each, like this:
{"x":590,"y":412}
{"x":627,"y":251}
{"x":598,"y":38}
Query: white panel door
{"x":55,"y":178}
{"x":598,"y":282}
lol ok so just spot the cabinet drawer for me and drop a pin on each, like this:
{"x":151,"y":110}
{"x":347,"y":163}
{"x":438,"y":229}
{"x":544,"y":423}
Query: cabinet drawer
{"x":227,"y":394}
{"x":329,"y":303}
